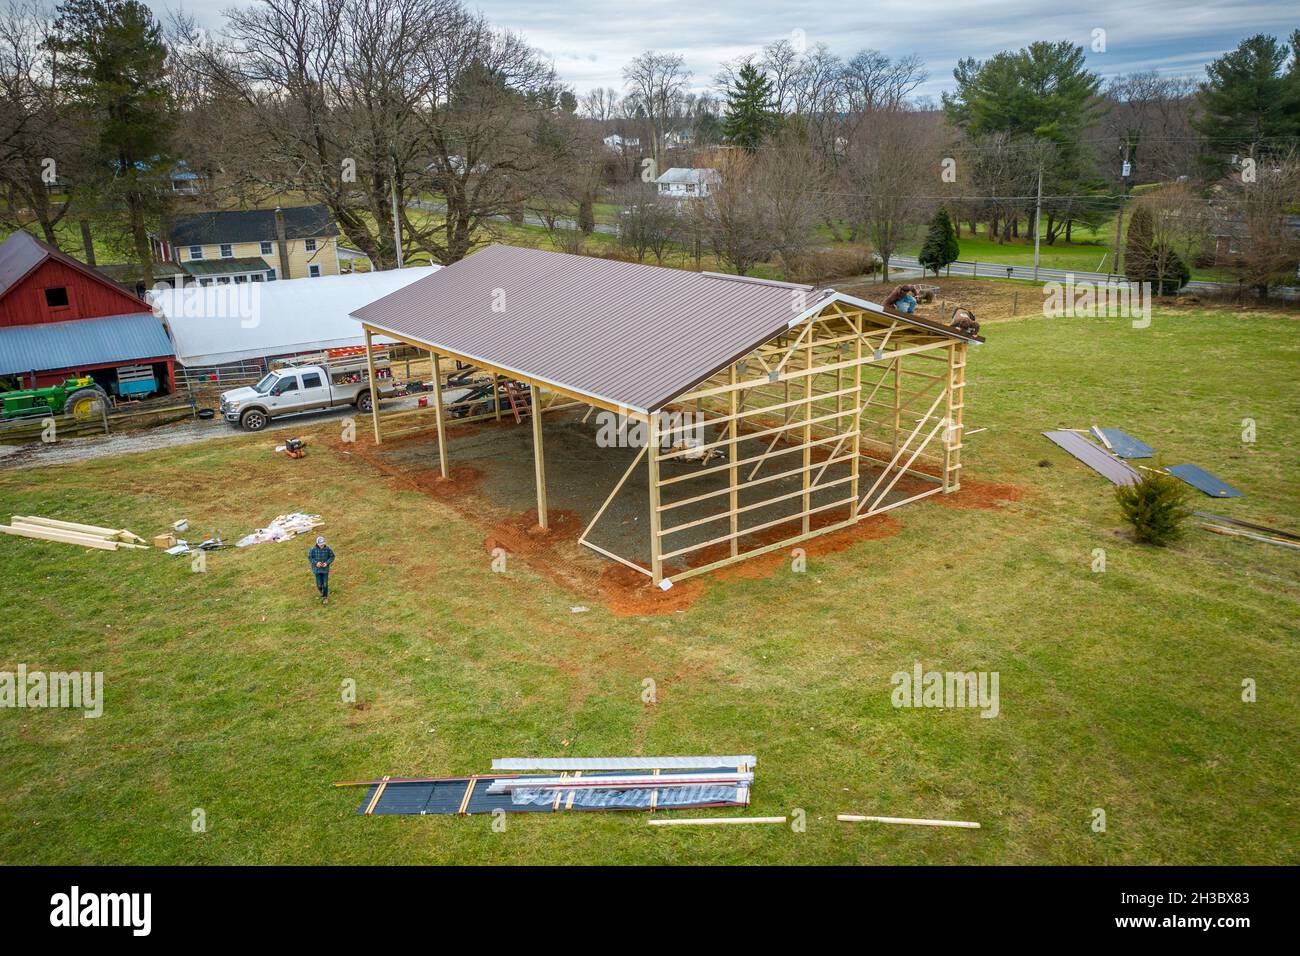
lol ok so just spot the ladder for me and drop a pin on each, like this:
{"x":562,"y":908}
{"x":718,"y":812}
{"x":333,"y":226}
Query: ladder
{"x":518,"y":404}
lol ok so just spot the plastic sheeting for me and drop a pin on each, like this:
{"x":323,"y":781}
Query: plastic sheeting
{"x":639,"y":799}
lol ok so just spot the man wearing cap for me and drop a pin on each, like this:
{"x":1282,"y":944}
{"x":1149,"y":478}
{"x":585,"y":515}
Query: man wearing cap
{"x":320,"y":558}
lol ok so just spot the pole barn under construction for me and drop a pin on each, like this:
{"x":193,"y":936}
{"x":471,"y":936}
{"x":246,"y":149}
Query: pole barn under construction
{"x":756,"y":407}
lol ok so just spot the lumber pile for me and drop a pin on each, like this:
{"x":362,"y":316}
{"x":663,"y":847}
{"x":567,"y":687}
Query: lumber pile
{"x":70,"y":532}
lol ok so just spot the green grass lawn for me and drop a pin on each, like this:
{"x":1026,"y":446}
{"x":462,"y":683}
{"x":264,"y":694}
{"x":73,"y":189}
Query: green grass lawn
{"x":1118,"y":690}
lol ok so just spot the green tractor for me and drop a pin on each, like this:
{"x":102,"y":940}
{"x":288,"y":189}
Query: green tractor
{"x":77,"y":398}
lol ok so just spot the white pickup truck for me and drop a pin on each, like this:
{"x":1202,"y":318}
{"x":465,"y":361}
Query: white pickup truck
{"x":304,"y":388}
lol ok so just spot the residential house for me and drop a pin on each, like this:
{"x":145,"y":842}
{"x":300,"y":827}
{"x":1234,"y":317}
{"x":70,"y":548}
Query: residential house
{"x":60,"y":318}
{"x":253,"y":245}
{"x":687,"y":182}
{"x":622,"y":144}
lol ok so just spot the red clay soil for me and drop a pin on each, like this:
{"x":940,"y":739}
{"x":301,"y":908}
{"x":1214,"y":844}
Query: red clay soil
{"x":521,"y":534}
{"x":979,"y":494}
{"x":626,"y":591}
{"x":630,"y":593}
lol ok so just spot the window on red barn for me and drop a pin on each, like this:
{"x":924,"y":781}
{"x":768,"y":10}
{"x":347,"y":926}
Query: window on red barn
{"x":57,"y":297}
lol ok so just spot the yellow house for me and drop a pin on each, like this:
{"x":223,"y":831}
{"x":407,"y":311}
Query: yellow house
{"x":254,"y":245}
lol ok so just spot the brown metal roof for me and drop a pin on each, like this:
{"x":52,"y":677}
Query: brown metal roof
{"x":627,"y":334}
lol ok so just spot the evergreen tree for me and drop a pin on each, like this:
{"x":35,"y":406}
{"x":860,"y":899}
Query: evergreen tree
{"x":940,"y":246}
{"x":113,"y":53}
{"x":1138,"y":245}
{"x":1249,"y":101}
{"x":750,"y":116}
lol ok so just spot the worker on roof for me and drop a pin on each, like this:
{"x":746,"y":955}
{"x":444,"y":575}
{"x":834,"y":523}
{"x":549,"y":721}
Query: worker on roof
{"x":903,"y":298}
{"x":321,"y":557}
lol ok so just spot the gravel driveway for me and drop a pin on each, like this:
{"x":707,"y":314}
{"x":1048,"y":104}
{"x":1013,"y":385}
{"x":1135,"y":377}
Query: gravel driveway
{"x":39,"y":454}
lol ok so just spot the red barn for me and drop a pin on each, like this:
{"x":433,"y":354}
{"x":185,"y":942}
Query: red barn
{"x":59,"y":317}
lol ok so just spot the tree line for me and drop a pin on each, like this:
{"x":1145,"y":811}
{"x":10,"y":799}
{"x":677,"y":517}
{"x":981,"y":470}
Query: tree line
{"x":424,"y":112}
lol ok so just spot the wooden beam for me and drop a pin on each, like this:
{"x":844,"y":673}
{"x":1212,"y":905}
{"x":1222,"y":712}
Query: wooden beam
{"x":734,"y":497}
{"x":652,"y":459}
{"x":807,"y":436}
{"x":539,"y":456}
{"x":374,"y":384}
{"x":64,"y":537}
{"x":437,"y":412}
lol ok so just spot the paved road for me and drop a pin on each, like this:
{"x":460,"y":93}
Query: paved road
{"x":995,"y":270}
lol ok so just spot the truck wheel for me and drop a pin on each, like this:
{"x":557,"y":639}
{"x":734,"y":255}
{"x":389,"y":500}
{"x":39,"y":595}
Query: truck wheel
{"x":253,"y":420}
{"x":364,"y":404}
{"x":83,"y":404}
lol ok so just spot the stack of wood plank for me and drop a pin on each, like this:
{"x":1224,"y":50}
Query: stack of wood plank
{"x":69,"y":532}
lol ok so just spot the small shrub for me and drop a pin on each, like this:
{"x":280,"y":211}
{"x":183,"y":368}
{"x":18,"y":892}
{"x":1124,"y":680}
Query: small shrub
{"x":1155,"y":506}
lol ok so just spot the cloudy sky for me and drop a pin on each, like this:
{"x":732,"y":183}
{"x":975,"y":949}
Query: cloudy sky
{"x":590,"y":40}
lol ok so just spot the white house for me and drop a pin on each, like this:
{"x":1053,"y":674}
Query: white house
{"x":682,"y":182}
{"x":622,"y":144}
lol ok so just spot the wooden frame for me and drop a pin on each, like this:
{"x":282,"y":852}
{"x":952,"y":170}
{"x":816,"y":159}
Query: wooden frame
{"x":818,"y":397}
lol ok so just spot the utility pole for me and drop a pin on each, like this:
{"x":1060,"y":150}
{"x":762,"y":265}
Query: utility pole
{"x":397,"y":222}
{"x":1119,"y":216}
{"x":1038,"y":218}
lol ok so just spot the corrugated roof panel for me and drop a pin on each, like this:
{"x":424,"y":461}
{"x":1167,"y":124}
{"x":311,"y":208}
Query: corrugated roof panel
{"x":629,"y":334}
{"x":84,"y":342}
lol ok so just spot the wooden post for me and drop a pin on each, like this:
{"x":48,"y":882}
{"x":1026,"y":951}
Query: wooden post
{"x":374,"y":385}
{"x":807,"y":433}
{"x":957,"y":358}
{"x":898,"y":399}
{"x":735,"y":471}
{"x":539,"y":457}
{"x":652,"y":457}
{"x":496,"y":401}
{"x":857,"y":419}
{"x":437,"y":412}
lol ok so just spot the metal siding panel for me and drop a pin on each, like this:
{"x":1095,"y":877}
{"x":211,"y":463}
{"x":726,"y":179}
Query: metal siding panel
{"x":1202,"y":480}
{"x":1095,"y":457}
{"x":119,"y":338}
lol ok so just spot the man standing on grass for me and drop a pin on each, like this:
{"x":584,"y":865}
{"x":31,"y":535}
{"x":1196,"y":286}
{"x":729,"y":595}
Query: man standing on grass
{"x":321,"y":557}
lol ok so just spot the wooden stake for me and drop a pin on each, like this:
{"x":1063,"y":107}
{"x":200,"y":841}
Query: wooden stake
{"x":964,"y":824}
{"x":710,"y":821}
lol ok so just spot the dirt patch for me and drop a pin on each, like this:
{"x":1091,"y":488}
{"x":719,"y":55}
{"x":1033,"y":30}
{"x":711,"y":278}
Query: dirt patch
{"x":989,"y":299}
{"x":492,"y":486}
{"x":630,"y":593}
{"x":522,"y":534}
{"x":979,"y":494}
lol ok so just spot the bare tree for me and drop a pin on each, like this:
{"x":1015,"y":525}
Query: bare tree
{"x":656,"y":82}
{"x":647,"y":225}
{"x":794,"y":185}
{"x":1149,"y":123}
{"x":888,"y":174}
{"x":737,"y":214}
{"x":355,"y":102}
{"x":40,"y":139}
{"x":1180,"y":226}
{"x":1259,"y":214}
{"x":600,"y":104}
